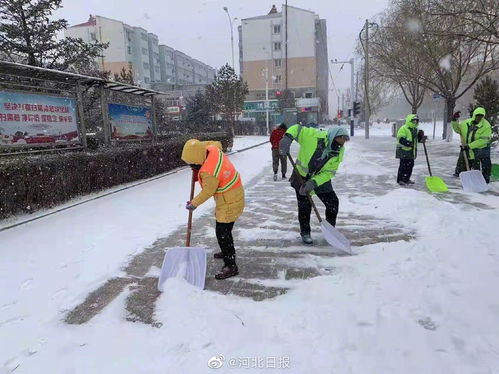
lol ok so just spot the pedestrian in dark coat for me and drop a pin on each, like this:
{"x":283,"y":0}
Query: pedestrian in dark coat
{"x":275,"y":139}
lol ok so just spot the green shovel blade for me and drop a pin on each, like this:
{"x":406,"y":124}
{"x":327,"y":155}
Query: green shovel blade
{"x":495,"y":171}
{"x":436,"y":184}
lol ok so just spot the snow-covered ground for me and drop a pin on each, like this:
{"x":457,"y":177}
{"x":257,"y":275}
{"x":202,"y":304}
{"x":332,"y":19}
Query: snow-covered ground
{"x":428,"y":305}
{"x":241,"y":142}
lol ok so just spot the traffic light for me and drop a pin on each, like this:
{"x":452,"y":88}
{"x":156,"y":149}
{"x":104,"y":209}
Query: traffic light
{"x":356,"y":108}
{"x":278,"y":93}
{"x":340,"y":114}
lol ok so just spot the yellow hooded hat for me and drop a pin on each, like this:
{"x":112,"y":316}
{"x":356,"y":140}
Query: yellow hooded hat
{"x":194,"y":151}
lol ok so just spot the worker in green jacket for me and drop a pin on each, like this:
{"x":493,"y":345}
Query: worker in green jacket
{"x":408,"y":137}
{"x":476,"y":135}
{"x":319,"y":157}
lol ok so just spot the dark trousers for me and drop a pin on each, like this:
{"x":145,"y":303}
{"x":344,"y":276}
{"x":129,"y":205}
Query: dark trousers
{"x":405,"y":170}
{"x":329,"y":199}
{"x":485,"y":165}
{"x":276,"y":157}
{"x":226,"y":242}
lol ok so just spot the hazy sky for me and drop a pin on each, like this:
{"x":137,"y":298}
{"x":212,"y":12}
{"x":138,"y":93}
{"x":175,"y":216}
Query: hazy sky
{"x":200,"y":28}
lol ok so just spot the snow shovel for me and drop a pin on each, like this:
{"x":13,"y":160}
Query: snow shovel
{"x":336,"y":239}
{"x":186,"y":262}
{"x":495,"y":172}
{"x":472,"y":180}
{"x":434,"y":184}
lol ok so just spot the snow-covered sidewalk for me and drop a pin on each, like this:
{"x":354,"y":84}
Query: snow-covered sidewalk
{"x":419,"y":296}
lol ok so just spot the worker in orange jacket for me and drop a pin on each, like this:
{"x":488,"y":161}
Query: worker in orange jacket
{"x":218,"y":178}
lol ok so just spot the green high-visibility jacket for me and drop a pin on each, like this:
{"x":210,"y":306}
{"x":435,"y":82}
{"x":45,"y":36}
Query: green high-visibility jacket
{"x":310,"y":139}
{"x":407,"y":139}
{"x":476,"y":136}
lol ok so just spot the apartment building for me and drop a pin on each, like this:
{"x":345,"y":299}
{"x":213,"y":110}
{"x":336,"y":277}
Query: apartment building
{"x":302,"y":66}
{"x":152,"y":63}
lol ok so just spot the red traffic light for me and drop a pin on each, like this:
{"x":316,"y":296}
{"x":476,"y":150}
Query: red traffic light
{"x":278,"y":93}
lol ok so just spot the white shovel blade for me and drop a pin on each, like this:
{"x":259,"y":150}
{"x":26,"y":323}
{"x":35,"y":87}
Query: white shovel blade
{"x":473,"y":181}
{"x":336,"y":239}
{"x":188,"y":263}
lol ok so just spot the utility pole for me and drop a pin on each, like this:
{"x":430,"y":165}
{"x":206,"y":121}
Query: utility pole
{"x":231,"y":35}
{"x":286,"y":43}
{"x":338,"y":111}
{"x":352,"y":72}
{"x":267,"y":99}
{"x":366,"y":69}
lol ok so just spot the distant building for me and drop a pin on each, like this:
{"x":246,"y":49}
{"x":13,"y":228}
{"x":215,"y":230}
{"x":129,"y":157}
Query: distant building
{"x":262,"y":46}
{"x":137,"y":49}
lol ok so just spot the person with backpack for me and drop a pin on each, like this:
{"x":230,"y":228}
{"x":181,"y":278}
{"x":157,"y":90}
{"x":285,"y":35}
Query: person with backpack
{"x":319,"y":157}
{"x":218,"y":179}
{"x":408,"y":137}
{"x":275,"y":139}
{"x":476,"y":135}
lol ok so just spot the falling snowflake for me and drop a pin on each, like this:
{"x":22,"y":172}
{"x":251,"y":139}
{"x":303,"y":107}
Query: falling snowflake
{"x":445,"y":62}
{"x":413,"y":25}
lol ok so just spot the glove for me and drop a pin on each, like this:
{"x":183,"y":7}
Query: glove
{"x":307,"y":187}
{"x":285,"y":145}
{"x":465,"y":147}
{"x":189,"y":206}
{"x":456,"y":116}
{"x":420,"y":135}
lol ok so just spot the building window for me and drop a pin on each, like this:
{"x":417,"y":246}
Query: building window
{"x":144,"y":51}
{"x":146,"y":66}
{"x":277,"y":63}
{"x":277,"y":79}
{"x":93,"y":36}
{"x":146,"y":80}
{"x":129,"y":50}
{"x":144,"y":37}
{"x":308,"y":95}
{"x":277,"y":29}
{"x":277,"y":46}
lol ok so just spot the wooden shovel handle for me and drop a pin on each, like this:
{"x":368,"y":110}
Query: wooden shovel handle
{"x":427,"y":159}
{"x":466,"y":159}
{"x":300,"y":178}
{"x":189,"y":221}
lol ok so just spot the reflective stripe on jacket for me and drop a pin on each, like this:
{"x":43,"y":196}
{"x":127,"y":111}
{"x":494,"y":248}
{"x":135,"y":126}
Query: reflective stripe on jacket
{"x":220,"y":167}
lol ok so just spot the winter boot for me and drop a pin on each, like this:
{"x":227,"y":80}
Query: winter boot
{"x":455,"y":175}
{"x":410,"y":182}
{"x":275,"y":177}
{"x":227,"y":271}
{"x":218,"y":255}
{"x":284,"y":177}
{"x":307,"y":239}
{"x":402,"y":183}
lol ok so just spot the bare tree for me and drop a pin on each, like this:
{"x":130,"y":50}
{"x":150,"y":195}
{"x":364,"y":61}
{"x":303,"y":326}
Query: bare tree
{"x":389,"y":50}
{"x":473,"y":19}
{"x":453,"y":63}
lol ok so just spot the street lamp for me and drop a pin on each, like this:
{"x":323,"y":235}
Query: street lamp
{"x":231,"y":35}
{"x":267,"y":103}
{"x":352,"y":115}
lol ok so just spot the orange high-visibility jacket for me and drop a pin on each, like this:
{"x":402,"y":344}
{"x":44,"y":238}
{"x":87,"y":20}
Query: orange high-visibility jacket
{"x":218,"y":178}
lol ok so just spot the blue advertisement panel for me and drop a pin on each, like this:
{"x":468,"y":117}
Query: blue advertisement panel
{"x":130,"y":122}
{"x":34,"y":120}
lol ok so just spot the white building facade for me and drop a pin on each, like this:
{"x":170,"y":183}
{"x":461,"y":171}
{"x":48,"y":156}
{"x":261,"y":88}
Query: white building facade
{"x":152,"y":63}
{"x":262,"y":58}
